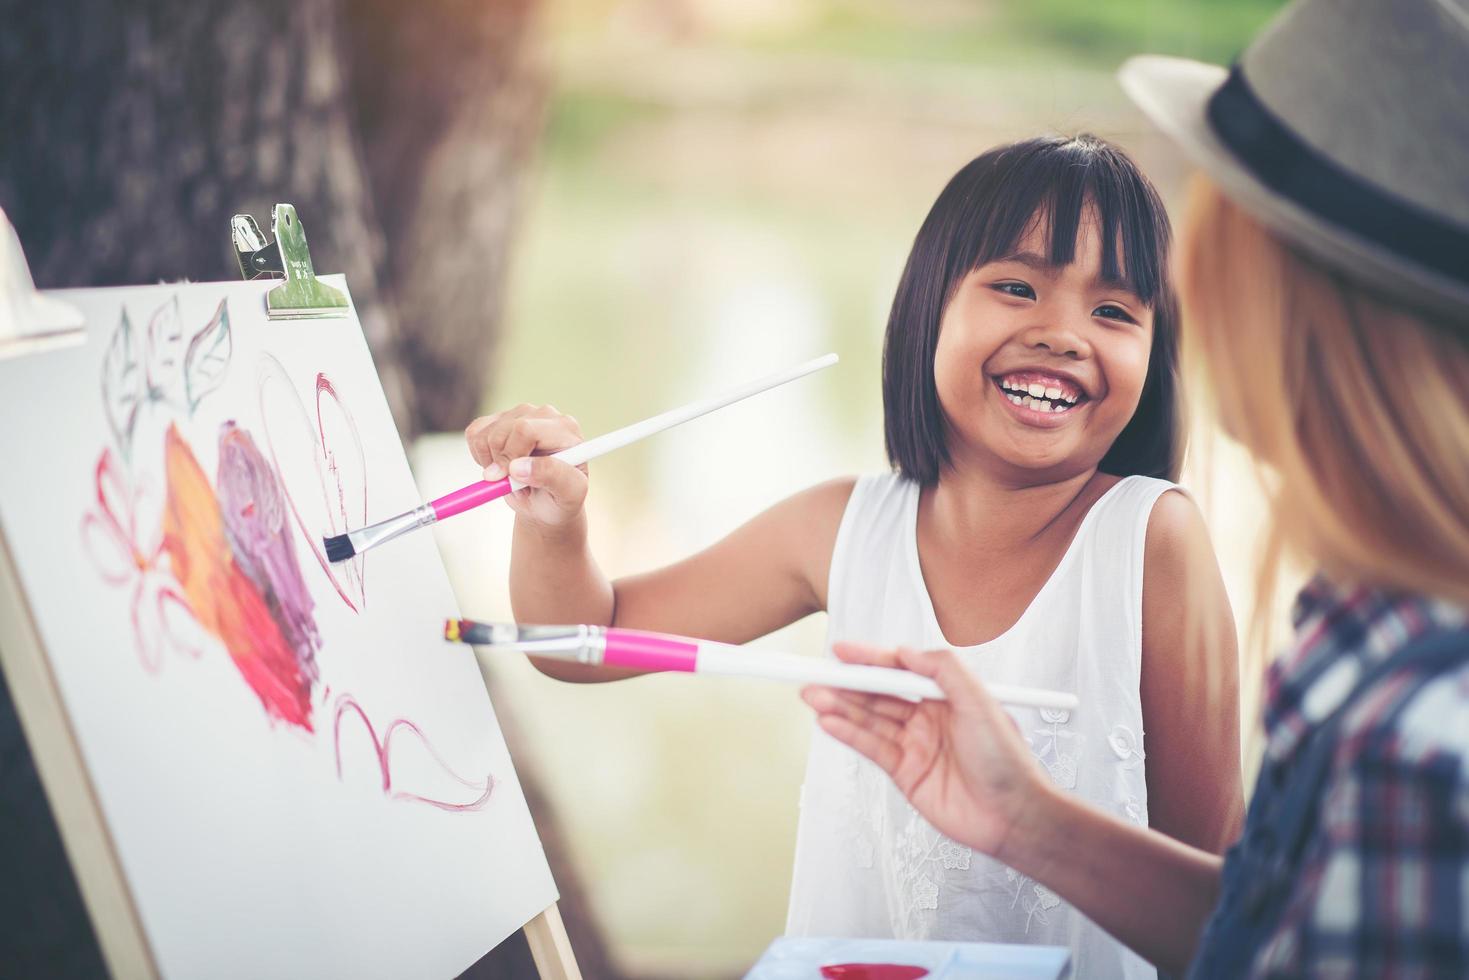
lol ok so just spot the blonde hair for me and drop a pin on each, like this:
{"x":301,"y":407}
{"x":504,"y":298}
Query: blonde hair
{"x":1357,"y":407}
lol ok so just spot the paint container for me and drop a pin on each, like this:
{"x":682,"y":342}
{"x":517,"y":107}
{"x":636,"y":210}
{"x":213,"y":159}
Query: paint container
{"x":889,"y":959}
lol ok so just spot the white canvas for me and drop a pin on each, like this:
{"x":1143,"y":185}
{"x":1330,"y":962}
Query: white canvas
{"x":221,"y":682}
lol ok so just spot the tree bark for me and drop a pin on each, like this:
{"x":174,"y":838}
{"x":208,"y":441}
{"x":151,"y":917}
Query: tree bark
{"x":131,"y":131}
{"x":448,"y":103}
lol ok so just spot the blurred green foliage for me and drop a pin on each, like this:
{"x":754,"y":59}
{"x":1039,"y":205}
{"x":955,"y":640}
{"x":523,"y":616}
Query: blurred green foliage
{"x":1098,"y":32}
{"x":1028,"y":36}
{"x":1110,"y":30}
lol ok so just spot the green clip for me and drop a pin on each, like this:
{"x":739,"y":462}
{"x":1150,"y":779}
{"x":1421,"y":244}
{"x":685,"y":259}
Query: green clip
{"x":302,"y":295}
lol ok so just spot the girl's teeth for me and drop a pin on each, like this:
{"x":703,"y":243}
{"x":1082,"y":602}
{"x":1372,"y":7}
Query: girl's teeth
{"x":1038,"y":397}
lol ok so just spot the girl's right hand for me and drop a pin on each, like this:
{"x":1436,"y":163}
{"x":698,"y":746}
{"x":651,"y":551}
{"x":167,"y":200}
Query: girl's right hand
{"x":960,"y":762}
{"x":515,"y":443}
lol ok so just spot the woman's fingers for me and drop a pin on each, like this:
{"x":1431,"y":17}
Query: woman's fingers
{"x":885,"y":705}
{"x":944,"y":666}
{"x":861,"y":653}
{"x":956,"y":680}
{"x":883,"y":751}
{"x":843,"y":704}
{"x":965,"y":691}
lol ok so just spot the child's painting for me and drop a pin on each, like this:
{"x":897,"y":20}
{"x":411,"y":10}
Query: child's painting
{"x":299,"y":777}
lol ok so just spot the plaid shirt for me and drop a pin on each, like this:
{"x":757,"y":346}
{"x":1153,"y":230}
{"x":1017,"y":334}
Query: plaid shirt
{"x":1384,"y":887}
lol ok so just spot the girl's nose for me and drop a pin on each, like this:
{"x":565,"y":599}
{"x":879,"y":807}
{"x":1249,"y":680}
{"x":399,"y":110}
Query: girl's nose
{"x":1056,"y":336}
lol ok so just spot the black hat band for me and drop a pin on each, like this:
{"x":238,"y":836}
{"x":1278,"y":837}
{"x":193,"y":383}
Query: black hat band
{"x":1286,"y":164}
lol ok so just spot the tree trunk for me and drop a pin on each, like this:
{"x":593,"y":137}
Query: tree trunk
{"x":445,"y":146}
{"x":130,"y":132}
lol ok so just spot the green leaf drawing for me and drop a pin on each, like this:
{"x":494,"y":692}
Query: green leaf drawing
{"x":207,"y":360}
{"x":122,"y":384}
{"x":165,"y":350}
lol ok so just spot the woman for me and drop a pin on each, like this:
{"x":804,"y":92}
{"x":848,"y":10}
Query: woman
{"x":1325,"y":277}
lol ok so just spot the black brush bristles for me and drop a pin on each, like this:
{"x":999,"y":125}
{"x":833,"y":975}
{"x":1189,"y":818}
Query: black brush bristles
{"x":339,"y":548}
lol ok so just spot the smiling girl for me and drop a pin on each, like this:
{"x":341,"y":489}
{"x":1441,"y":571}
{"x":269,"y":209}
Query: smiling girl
{"x":1033,"y":422}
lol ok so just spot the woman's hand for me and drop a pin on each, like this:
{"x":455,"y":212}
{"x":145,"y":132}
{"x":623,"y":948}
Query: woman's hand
{"x":963,"y":765}
{"x":513,"y":443}
{"x":960,"y":762}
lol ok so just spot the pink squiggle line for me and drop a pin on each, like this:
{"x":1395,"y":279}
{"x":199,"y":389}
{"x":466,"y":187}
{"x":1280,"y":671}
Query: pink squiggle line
{"x":269,"y":369}
{"x":346,"y":703}
{"x":133,"y":565}
{"x":167,"y":595}
{"x":324,"y":386}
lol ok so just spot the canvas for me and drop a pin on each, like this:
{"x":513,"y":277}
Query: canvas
{"x":300,"y":778}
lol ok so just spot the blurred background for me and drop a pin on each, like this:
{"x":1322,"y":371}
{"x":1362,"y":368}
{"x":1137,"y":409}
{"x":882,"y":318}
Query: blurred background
{"x":611,"y":206}
{"x":723,"y":188}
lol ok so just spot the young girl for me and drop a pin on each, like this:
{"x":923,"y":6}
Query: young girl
{"x":1327,"y":292}
{"x":1033,"y":423}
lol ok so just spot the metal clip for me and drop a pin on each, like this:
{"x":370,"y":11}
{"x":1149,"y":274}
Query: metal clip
{"x":302,"y":295}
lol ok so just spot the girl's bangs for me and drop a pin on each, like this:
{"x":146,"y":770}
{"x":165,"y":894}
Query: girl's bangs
{"x":1062,"y":188}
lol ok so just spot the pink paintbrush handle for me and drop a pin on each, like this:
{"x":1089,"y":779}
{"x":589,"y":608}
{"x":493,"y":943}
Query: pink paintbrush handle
{"x":467,"y":498}
{"x":649,"y":651}
{"x":483,"y":492}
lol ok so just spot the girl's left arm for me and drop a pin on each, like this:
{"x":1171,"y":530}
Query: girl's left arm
{"x":1190,"y":683}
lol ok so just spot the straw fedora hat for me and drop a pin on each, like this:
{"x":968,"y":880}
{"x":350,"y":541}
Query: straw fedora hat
{"x":1344,"y":128}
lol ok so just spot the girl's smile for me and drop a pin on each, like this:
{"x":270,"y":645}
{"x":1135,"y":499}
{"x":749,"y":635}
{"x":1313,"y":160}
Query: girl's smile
{"x":1042,"y":398}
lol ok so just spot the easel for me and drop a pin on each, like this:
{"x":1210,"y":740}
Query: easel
{"x":30,"y":322}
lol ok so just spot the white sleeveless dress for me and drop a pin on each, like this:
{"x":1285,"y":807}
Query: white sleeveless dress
{"x":867,"y":865}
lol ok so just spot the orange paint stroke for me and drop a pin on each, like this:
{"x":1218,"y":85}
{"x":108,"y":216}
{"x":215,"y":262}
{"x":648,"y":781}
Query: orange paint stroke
{"x":222,"y":597}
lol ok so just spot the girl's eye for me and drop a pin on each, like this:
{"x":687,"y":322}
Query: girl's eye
{"x":1019,"y":289}
{"x":1110,"y":312}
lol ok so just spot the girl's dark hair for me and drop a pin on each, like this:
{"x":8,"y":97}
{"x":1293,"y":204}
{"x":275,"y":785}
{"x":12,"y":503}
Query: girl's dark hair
{"x":981,"y":215}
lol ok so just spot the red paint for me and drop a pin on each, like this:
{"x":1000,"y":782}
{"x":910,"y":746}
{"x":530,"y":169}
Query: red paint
{"x":221,"y":596}
{"x":222,"y":563}
{"x":872,"y":971}
{"x":382,"y":747}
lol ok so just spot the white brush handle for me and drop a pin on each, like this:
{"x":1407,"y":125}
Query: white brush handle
{"x":592,"y":448}
{"x":740,"y":662}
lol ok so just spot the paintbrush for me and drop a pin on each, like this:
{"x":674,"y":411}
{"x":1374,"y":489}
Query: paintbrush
{"x":344,"y":546}
{"x":611,"y":646}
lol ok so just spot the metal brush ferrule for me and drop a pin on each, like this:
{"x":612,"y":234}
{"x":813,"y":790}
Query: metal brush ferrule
{"x":581,"y":644}
{"x":394,"y":527}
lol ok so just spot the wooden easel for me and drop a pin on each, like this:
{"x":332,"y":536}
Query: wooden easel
{"x":58,"y":758}
{"x":84,"y":832}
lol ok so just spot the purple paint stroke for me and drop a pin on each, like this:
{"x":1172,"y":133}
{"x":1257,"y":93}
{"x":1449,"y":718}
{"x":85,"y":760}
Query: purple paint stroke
{"x":255,"y":520}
